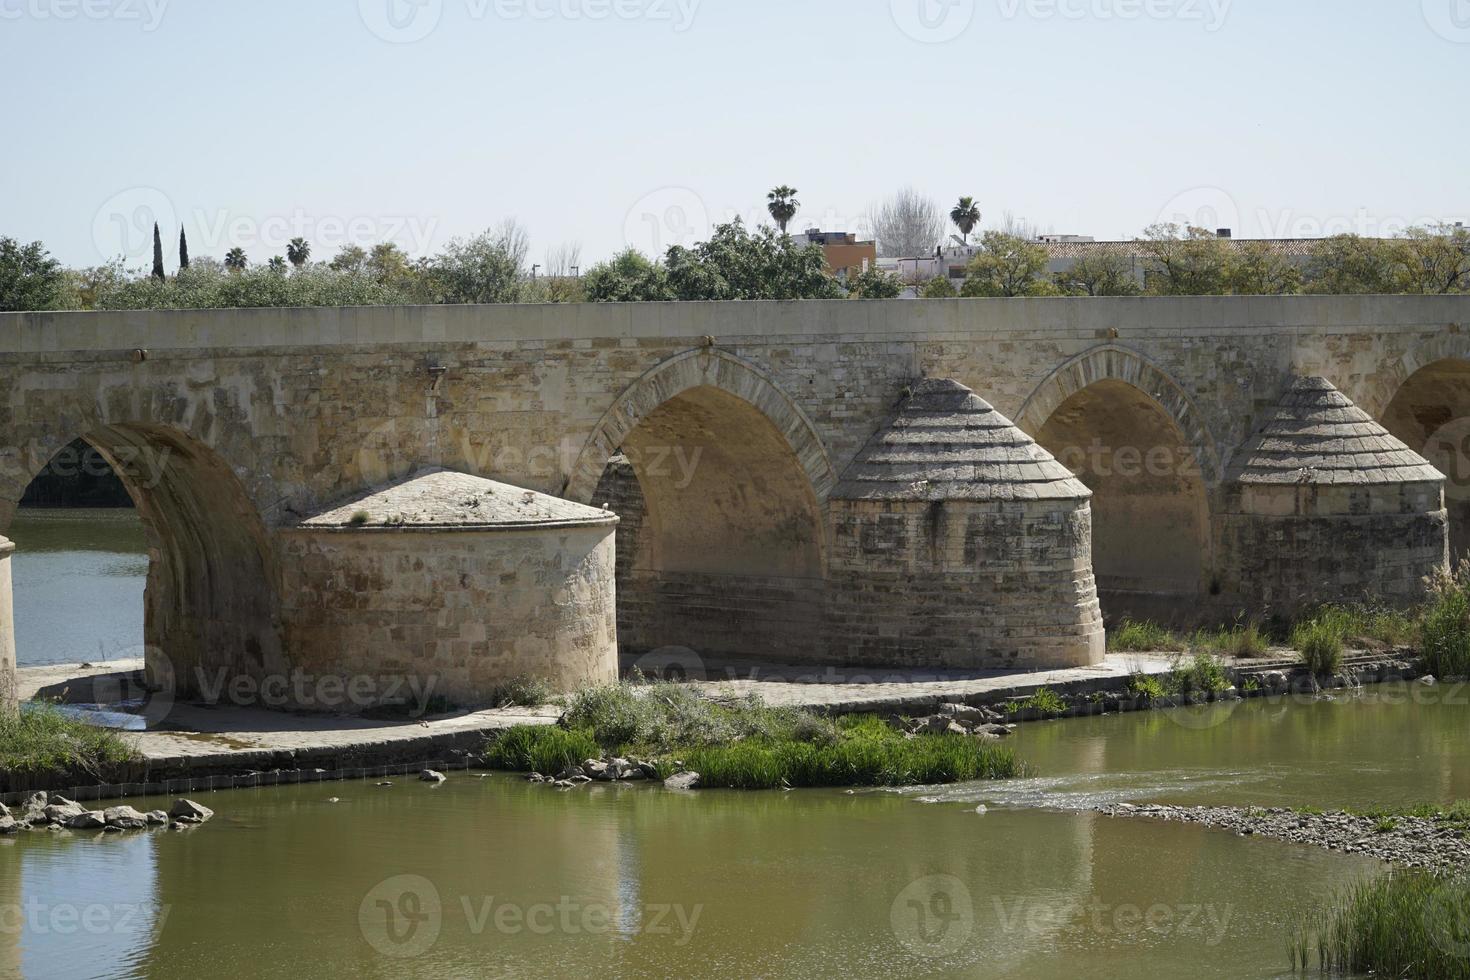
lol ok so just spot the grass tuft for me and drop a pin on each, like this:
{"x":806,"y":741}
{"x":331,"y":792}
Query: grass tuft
{"x":1446,"y":630}
{"x":1403,"y":924}
{"x":1142,"y":636}
{"x":42,"y":739}
{"x":1319,"y":640}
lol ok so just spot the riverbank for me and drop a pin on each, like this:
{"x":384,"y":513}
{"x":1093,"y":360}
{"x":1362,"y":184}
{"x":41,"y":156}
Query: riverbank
{"x":1432,"y":843}
{"x":200,"y":747}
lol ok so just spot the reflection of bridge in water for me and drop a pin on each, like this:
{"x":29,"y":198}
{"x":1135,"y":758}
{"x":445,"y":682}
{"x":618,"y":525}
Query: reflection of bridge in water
{"x":739,"y":422}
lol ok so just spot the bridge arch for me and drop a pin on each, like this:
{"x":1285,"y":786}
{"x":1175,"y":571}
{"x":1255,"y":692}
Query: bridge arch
{"x":1135,"y":437}
{"x":722,"y":482}
{"x":211,"y":601}
{"x":1426,"y":403}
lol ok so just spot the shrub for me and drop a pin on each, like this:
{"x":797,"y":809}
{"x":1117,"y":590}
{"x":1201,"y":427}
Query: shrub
{"x":1147,"y":687}
{"x":1047,"y":701}
{"x":1403,"y":924}
{"x":1203,"y":673}
{"x":1133,"y":636}
{"x":1319,"y":640}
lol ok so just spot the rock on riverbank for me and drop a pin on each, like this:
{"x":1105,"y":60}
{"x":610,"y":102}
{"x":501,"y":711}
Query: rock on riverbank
{"x":1409,"y":842}
{"x":56,"y":812}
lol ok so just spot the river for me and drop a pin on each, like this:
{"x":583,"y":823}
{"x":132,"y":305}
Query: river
{"x":496,"y":877}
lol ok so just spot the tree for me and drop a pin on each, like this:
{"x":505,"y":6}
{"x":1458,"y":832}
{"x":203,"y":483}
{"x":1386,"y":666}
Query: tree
{"x":1184,"y":262}
{"x":349,"y":258}
{"x":965,"y":216}
{"x":783,"y":205}
{"x":629,"y":277}
{"x":235,"y":259}
{"x":277,"y":265}
{"x":183,"y":250}
{"x":1008,"y":266}
{"x":30,"y":279}
{"x":488,"y":268}
{"x":907,"y":225}
{"x":874,"y":283}
{"x":158,"y":272}
{"x":1434,"y":260}
{"x":938,"y":288}
{"x":1257,"y":269}
{"x":735,"y":264}
{"x":1099,"y":274}
{"x":298,"y":250}
{"x":1349,"y":264}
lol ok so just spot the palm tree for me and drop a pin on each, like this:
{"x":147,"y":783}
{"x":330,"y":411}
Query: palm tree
{"x":235,"y":259}
{"x":965,"y":216}
{"x":783,"y":205}
{"x":298,"y":250}
{"x":277,"y":264}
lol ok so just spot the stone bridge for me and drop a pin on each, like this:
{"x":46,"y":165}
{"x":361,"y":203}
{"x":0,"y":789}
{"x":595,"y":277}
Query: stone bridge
{"x":739,"y":420}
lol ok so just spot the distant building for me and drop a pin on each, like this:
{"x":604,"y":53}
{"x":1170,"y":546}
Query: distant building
{"x":845,"y":254}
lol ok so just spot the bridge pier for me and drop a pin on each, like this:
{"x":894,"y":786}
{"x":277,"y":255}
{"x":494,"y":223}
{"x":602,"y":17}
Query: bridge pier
{"x":7,"y":631}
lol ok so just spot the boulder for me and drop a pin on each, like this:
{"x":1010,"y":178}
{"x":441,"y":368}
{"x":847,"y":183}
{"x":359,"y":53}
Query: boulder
{"x":649,"y":770}
{"x":599,"y":771}
{"x":683,"y":780}
{"x":63,"y":811}
{"x":994,"y":731}
{"x":431,"y":776}
{"x":188,"y":810}
{"x":8,"y":825}
{"x":965,"y":712}
{"x":87,"y":820}
{"x":33,"y":810}
{"x":570,"y":772}
{"x":4,"y":811}
{"x":157,"y":817}
{"x":125,"y":818}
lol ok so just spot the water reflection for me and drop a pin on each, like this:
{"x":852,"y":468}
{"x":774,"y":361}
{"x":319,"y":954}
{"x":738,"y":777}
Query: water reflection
{"x":625,"y":881}
{"x":79,"y":577}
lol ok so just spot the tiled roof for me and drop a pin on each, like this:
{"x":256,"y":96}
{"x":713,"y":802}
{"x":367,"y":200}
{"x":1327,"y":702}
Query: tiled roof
{"x":1318,"y":436}
{"x":435,"y":499}
{"x":948,"y":443}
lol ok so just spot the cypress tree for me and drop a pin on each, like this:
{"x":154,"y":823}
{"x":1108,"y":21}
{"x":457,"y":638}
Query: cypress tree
{"x":183,"y":250}
{"x":157,"y":253}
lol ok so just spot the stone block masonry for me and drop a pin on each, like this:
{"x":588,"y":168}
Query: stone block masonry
{"x":231,"y":427}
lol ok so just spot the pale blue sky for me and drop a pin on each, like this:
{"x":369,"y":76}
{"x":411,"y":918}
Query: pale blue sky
{"x":603,"y":121}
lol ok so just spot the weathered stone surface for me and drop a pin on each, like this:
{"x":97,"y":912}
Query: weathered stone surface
{"x":125,"y":817}
{"x":959,"y":542}
{"x":1318,"y":486}
{"x":458,"y":583}
{"x":87,"y":820}
{"x":683,"y":781}
{"x":431,"y":776}
{"x":157,"y":817}
{"x":263,"y":417}
{"x":183,"y":810}
{"x":63,"y":811}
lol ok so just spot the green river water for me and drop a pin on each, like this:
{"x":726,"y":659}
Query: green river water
{"x":495,"y":877}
